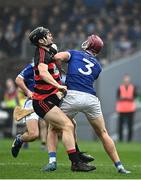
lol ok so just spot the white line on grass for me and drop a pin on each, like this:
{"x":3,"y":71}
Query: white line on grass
{"x":18,"y":163}
{"x":60,"y":164}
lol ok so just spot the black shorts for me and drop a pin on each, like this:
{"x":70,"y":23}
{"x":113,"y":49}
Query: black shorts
{"x":41,"y":107}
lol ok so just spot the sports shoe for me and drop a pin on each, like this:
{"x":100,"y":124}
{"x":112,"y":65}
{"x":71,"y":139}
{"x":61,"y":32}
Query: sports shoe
{"x":50,"y":167}
{"x":81,"y":166}
{"x":16,"y":146}
{"x":85,"y":157}
{"x":124,"y":171}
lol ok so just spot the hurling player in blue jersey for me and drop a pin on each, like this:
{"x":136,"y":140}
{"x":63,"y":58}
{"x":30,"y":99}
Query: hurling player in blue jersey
{"x":83,"y":70}
{"x":25,"y":80}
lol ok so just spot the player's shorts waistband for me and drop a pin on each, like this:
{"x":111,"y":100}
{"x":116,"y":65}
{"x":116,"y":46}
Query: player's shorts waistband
{"x":78,"y":92}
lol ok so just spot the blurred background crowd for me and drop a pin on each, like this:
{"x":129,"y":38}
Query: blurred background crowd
{"x":117,"y":22}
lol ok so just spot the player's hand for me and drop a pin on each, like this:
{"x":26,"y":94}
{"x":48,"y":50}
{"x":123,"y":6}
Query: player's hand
{"x":62,"y":88}
{"x":29,"y":94}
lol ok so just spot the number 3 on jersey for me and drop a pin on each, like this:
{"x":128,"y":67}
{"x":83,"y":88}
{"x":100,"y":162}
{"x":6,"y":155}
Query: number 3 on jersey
{"x":89,"y":66}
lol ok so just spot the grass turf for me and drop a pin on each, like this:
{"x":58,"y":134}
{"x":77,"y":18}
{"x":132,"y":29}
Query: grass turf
{"x":27,"y":165}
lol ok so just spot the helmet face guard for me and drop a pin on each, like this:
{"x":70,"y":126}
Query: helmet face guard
{"x":38,"y":33}
{"x":85,"y":45}
{"x":94,"y":43}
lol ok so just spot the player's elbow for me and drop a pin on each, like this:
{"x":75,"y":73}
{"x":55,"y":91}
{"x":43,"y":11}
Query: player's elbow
{"x":57,"y":56}
{"x":42,"y":75}
{"x":18,"y":80}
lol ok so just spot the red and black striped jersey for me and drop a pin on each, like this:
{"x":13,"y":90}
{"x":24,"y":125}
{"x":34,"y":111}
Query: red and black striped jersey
{"x":43,"y":89}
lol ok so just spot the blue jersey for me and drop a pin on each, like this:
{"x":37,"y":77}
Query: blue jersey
{"x":83,"y":70}
{"x":28,"y":75}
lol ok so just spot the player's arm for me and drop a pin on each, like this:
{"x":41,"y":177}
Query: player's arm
{"x":46,"y":76}
{"x":62,"y":56}
{"x":20,"y":83}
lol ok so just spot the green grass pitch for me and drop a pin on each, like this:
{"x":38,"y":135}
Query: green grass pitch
{"x":27,"y":165}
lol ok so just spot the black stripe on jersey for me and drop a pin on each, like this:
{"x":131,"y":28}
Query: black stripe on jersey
{"x":40,"y":82}
{"x":41,"y":92}
{"x":51,"y":71}
{"x":36,"y":72}
{"x":47,"y":57}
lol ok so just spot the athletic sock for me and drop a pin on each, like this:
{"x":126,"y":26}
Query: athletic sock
{"x":119,"y":165}
{"x":52,"y":157}
{"x":73,"y":155}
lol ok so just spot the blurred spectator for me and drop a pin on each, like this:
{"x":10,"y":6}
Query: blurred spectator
{"x":123,"y":46}
{"x":126,"y":107}
{"x":9,"y":103}
{"x":10,"y":95}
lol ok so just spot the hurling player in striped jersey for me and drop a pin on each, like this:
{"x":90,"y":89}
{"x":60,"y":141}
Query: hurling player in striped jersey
{"x":25,"y":80}
{"x":47,"y":96}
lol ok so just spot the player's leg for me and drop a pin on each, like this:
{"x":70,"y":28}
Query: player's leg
{"x":43,"y":128}
{"x":31,"y":134}
{"x":32,"y":131}
{"x":82,"y":155}
{"x":99,"y":126}
{"x":60,"y":121}
{"x":52,"y":142}
{"x":68,"y":107}
{"x":94,"y":115}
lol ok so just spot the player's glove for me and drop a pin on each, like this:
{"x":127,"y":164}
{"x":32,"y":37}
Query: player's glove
{"x":53,"y":49}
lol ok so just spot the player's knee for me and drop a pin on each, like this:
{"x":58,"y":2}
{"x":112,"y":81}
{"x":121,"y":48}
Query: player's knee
{"x":69,"y":125}
{"x":102,"y":134}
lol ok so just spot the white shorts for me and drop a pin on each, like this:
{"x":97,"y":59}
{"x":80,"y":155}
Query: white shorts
{"x":28,"y":105}
{"x":77,"y":101}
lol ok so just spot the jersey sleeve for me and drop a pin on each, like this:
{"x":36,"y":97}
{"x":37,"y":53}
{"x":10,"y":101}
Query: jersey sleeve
{"x":25,"y":72}
{"x":70,"y":53}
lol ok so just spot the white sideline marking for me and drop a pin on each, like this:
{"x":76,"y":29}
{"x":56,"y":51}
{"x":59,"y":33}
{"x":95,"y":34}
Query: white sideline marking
{"x":105,"y":164}
{"x":61,"y":164}
{"x":8,"y":163}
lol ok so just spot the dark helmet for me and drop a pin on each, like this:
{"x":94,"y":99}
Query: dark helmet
{"x":94,"y":43}
{"x":38,"y":33}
